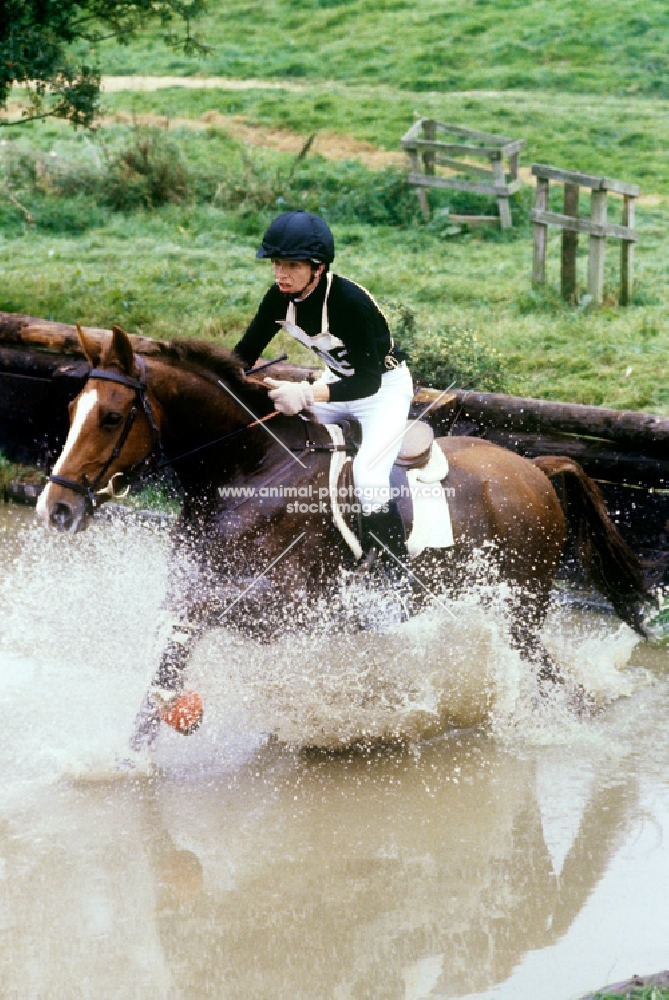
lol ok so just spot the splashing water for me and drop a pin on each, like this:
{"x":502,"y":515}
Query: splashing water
{"x":81,"y":635}
{"x":77,"y":639}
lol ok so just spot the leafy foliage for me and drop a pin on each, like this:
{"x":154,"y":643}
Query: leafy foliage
{"x":145,"y":173}
{"x":452,"y":355}
{"x":14,"y":472}
{"x":149,"y":168}
{"x":49,"y":47}
{"x":455,"y":356}
{"x":338,"y":192}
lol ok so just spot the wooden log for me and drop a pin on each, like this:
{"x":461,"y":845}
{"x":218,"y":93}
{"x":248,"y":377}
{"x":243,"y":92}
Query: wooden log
{"x":429,"y":131}
{"x":502,"y":200}
{"x":569,"y":245}
{"x":567,"y":176}
{"x":644,"y":432}
{"x":627,"y":254}
{"x":414,"y":132}
{"x":597,"y":247}
{"x":453,"y":184}
{"x":584,"y":180}
{"x":29,"y":331}
{"x":31,"y":364}
{"x":620,"y":187}
{"x":498,"y":141}
{"x":437,"y":408}
{"x":600,"y":459}
{"x":641,"y":515}
{"x":511,"y":149}
{"x":33,"y":416}
{"x":588,"y":226}
{"x":540,"y":231}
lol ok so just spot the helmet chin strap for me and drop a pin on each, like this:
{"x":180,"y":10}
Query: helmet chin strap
{"x":313,"y":281}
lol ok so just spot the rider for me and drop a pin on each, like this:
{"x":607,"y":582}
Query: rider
{"x":366,"y":375}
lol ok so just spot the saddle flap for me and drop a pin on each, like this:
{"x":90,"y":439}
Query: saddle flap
{"x":416,"y":444}
{"x":352,"y":432}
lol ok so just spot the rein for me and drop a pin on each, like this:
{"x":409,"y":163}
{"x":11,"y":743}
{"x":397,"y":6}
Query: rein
{"x":224,"y":437}
{"x":92,"y":492}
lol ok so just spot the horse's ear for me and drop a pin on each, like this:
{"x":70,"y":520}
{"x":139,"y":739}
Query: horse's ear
{"x":121,"y":349}
{"x":90,"y":347}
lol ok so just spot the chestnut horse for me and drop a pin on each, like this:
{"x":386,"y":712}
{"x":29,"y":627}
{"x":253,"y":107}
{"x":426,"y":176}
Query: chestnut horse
{"x":255,"y":562}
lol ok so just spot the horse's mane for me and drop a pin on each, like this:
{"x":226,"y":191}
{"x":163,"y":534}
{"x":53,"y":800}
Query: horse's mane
{"x":219,"y":361}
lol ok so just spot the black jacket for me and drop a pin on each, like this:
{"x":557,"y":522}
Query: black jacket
{"x":354,"y":318}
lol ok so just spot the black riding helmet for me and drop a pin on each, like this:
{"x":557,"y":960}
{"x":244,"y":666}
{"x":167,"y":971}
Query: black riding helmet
{"x":298,"y":236}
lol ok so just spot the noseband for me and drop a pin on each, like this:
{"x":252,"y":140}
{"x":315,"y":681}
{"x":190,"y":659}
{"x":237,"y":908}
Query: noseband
{"x":91,"y":491}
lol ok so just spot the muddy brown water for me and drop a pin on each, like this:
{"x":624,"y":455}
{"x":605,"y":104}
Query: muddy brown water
{"x":514,"y":851}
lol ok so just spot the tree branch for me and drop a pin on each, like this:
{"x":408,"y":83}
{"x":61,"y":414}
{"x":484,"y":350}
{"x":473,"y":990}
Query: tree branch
{"x":15,"y":201}
{"x":28,"y":118}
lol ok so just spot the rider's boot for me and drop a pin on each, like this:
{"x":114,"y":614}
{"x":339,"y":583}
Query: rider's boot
{"x":384,"y":542}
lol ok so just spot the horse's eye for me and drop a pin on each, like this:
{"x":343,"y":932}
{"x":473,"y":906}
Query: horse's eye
{"x":111,"y":419}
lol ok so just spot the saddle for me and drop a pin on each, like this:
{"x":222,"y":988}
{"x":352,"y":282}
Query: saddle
{"x":416,"y":444}
{"x":420,"y":466}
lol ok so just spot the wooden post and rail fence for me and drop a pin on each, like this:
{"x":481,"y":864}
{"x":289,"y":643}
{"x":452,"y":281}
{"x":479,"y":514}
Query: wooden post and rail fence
{"x":430,"y":144}
{"x":596,"y":226}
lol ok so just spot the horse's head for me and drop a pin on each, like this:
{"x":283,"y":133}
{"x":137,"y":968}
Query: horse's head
{"x":113,"y":430}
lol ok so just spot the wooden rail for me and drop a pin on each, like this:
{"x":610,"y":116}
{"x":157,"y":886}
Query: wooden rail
{"x":597,"y":227}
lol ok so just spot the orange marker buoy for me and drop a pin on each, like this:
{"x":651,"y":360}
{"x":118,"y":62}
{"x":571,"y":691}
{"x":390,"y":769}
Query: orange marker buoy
{"x":185,"y":714}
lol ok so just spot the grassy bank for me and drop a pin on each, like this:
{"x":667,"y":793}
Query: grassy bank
{"x":425,"y":45}
{"x":618,"y":137}
{"x":187,"y":268}
{"x":87,"y":233}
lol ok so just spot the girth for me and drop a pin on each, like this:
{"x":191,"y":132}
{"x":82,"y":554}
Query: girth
{"x":320,"y":439}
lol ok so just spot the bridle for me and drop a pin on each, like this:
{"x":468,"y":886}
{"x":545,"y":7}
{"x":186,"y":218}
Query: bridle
{"x":91,"y":491}
{"x":154,"y":457}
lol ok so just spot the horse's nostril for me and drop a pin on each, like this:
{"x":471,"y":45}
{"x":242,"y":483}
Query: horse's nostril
{"x":62,"y":516}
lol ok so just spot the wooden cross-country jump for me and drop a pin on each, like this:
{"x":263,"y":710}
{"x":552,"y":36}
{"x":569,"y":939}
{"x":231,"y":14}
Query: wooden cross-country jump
{"x":596,"y":226}
{"x":455,"y":149}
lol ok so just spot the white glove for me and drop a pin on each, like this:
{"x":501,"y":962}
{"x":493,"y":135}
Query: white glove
{"x":290,"y":397}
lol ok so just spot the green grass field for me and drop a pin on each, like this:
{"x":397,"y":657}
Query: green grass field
{"x":637,"y":993}
{"x":619,"y":137}
{"x":586,"y":93}
{"x":427,"y":45}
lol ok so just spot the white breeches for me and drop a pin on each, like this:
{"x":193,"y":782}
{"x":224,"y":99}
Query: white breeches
{"x":383,"y":419}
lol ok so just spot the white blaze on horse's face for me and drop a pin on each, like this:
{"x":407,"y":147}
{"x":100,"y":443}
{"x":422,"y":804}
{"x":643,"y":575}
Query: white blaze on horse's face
{"x":84,"y":406}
